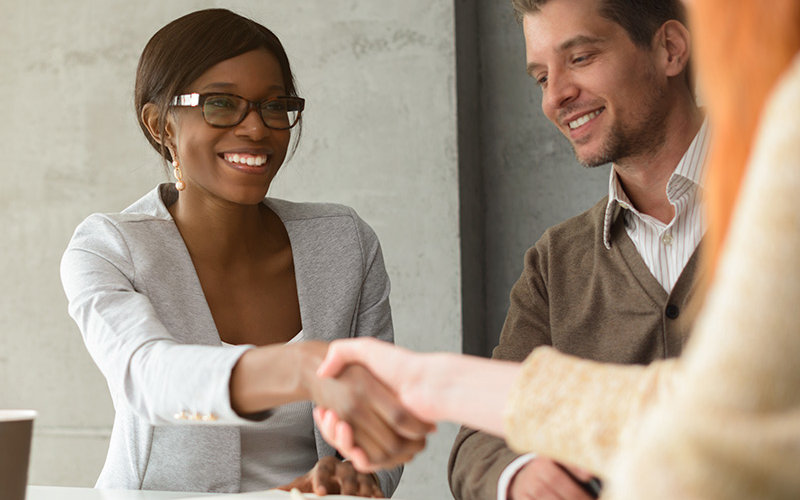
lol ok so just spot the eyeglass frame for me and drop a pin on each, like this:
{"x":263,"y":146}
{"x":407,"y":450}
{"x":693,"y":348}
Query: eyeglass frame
{"x":195,"y":99}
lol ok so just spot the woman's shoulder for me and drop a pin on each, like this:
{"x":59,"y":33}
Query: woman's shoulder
{"x":323,"y":221}
{"x":98,"y":229}
{"x":151,"y":206}
{"x":292,"y":210}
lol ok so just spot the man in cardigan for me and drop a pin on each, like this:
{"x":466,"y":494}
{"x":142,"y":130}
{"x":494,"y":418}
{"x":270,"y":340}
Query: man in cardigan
{"x":613,"y":283}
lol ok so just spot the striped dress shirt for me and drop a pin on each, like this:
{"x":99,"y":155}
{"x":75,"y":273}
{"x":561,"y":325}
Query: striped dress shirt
{"x":665,"y":248}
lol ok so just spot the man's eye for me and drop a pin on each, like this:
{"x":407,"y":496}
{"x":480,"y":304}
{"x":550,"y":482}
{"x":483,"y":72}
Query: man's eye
{"x":541,"y":80}
{"x":581,"y":59}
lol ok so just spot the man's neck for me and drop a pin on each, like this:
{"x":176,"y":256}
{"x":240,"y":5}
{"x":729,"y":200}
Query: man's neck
{"x":644,"y":178}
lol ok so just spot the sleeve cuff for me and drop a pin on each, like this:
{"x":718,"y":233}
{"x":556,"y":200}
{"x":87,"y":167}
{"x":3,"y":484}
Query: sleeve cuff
{"x":509,"y":472}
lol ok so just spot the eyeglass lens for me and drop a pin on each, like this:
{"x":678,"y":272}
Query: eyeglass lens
{"x":227,"y":110}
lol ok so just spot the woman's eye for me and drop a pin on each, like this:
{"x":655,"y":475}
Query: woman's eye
{"x":275,"y":106}
{"x":221,"y":103}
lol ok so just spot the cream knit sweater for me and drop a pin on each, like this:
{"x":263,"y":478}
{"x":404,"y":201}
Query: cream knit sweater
{"x":723,"y":421}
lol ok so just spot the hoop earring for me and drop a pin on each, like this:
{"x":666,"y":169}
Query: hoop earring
{"x":176,"y":171}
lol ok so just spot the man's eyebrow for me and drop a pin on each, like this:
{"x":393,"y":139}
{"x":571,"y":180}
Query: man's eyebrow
{"x":578,"y":40}
{"x":566,"y":45}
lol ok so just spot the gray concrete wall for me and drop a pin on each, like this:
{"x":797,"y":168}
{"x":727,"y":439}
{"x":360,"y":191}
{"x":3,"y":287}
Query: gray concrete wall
{"x":380,"y":136}
{"x":531,"y":179}
{"x":420,"y":115}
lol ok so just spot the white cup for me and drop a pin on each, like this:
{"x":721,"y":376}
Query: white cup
{"x":16,"y":431}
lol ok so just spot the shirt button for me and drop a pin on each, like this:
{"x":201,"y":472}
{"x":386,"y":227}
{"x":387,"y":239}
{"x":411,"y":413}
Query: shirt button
{"x":667,"y":239}
{"x":672,"y":311}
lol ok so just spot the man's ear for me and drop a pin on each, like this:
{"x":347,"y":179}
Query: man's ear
{"x":675,"y":44}
{"x":151,"y":120}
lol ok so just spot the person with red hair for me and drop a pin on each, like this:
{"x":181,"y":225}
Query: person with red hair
{"x":721,"y":421}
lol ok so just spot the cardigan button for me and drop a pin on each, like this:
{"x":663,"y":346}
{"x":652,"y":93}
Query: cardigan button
{"x":672,"y":311}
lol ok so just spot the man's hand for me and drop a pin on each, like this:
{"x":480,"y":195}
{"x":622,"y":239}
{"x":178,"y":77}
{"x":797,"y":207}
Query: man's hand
{"x":544,"y":479}
{"x":378,"y":424}
{"x":330,"y":476}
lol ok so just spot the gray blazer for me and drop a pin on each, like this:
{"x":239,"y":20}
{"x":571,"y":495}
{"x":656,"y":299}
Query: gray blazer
{"x":135,"y":295}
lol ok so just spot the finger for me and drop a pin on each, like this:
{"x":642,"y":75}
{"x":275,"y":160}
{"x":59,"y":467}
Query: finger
{"x":327,"y":431}
{"x":340,"y":353}
{"x":380,"y":357}
{"x":360,"y":461}
{"x":399,"y":422}
{"x":580,"y":473}
{"x":344,"y":436}
{"x":367,"y":486}
{"x":559,"y":482}
{"x":321,"y":476}
{"x":348,"y":478}
{"x":391,"y":411}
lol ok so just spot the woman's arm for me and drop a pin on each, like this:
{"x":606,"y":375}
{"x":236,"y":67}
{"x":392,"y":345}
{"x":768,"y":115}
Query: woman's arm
{"x":167,"y":381}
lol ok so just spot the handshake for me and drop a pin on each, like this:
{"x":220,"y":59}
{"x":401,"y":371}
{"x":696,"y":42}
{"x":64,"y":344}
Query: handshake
{"x":375,"y":402}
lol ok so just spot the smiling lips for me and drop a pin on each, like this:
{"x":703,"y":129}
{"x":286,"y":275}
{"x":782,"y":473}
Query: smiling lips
{"x":245,"y":159}
{"x":582,"y":120}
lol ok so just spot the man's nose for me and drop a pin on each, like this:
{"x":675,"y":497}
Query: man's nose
{"x":561,"y":90}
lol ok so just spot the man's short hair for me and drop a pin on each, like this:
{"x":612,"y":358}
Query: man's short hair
{"x":639,"y":18}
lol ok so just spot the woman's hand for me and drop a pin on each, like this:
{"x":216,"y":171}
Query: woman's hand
{"x":381,"y":427}
{"x":393,"y":367}
{"x":331,"y":476}
{"x":431,"y":387}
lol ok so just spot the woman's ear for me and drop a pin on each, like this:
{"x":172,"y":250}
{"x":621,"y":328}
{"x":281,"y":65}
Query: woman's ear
{"x":676,"y":45}
{"x":151,"y":119}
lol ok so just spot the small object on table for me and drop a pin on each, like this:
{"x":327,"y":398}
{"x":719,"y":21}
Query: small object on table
{"x":296,"y":495}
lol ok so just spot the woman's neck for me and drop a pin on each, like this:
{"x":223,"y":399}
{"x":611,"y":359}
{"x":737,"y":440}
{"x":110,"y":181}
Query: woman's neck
{"x":223,"y":232}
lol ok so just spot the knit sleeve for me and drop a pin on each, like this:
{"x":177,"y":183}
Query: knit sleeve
{"x":724,"y":420}
{"x":733,"y":431}
{"x":578,"y":411}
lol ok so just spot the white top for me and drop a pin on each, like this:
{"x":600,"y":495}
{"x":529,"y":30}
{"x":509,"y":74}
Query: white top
{"x":135,"y":295}
{"x":277,"y":450}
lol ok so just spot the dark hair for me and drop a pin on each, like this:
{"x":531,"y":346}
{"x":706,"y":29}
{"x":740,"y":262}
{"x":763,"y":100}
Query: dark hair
{"x":184,"y":49}
{"x":639,"y":18}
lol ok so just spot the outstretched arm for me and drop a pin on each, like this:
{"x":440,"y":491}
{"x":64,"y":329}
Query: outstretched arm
{"x":567,"y":408}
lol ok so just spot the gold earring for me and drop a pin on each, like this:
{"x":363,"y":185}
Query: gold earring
{"x":176,"y":171}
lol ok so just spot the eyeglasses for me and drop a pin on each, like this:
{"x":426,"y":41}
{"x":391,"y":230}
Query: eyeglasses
{"x":229,"y":110}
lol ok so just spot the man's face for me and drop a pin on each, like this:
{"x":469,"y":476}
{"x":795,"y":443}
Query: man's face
{"x":604,"y":93}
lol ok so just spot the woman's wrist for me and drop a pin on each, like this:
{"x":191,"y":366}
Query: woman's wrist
{"x":307,"y":356}
{"x":270,"y":376}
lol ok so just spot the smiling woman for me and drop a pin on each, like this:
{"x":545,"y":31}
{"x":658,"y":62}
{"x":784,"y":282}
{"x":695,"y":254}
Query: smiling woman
{"x":205,"y":302}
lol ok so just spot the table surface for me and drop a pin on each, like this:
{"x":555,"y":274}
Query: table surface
{"x":69,"y":493}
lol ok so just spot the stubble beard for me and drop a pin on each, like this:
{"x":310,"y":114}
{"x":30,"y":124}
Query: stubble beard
{"x":637,"y":139}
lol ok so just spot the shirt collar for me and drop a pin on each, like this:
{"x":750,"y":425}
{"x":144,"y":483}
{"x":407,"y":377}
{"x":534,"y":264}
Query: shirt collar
{"x":690,"y":167}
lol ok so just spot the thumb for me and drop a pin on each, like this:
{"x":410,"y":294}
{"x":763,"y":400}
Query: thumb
{"x":335,"y":360}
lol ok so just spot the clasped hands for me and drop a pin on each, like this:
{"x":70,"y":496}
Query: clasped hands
{"x":388,"y":426}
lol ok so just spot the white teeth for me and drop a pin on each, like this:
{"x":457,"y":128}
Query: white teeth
{"x":245,"y":159}
{"x":583,"y":119}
